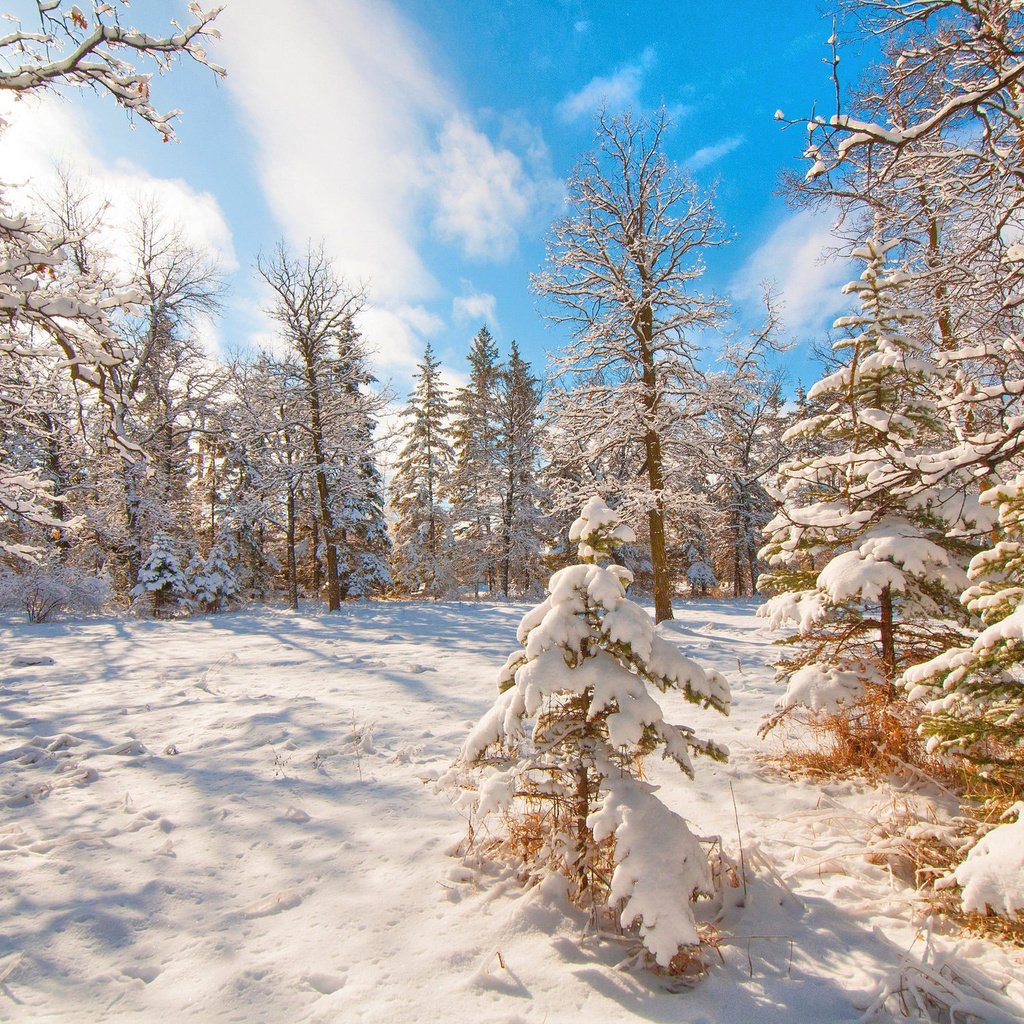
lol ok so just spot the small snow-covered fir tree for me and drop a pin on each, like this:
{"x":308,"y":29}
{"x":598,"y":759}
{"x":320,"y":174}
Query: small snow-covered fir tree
{"x":161,"y":577}
{"x":974,"y":693}
{"x":564,"y":741}
{"x":699,"y":575}
{"x":212,"y":580}
{"x":867,"y":558}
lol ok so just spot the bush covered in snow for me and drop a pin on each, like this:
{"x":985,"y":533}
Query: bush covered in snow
{"x":41,"y":591}
{"x":563,"y":744}
{"x":992,"y":874}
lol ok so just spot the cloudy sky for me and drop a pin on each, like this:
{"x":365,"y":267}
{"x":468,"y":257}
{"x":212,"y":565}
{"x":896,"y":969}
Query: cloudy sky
{"x":426,"y":142}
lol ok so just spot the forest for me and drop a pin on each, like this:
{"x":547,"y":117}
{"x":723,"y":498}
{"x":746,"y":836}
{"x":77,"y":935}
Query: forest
{"x":875,"y":520}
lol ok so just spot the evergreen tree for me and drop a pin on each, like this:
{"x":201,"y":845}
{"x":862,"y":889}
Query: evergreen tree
{"x":474,"y":491}
{"x":364,"y":550}
{"x":973,"y":693}
{"x":869,"y":573}
{"x":211,"y":581}
{"x":582,"y":679}
{"x":521,"y":534}
{"x":423,"y":548}
{"x":161,"y":577}
{"x":699,"y":574}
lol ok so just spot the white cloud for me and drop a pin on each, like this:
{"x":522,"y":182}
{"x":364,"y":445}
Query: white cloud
{"x":809,"y":283}
{"x":707,"y":155}
{"x":476,"y":307}
{"x":342,"y":120}
{"x":395,"y":338}
{"x":364,"y":145}
{"x":46,"y":132}
{"x":613,"y":92}
{"x":483,"y":192}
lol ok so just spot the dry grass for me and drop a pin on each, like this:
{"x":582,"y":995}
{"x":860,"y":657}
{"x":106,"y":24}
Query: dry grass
{"x":878,"y":739}
{"x":537,"y":837}
{"x":870,"y":739}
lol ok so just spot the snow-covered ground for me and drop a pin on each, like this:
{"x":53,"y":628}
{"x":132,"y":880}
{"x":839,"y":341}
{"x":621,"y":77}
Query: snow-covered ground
{"x":225,"y":819}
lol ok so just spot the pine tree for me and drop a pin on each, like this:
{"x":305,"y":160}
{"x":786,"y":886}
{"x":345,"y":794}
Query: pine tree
{"x":365,"y":547}
{"x":423,"y":544}
{"x":162,"y":578}
{"x":521,"y":534}
{"x":582,"y":679}
{"x":699,"y":574}
{"x":973,"y":693}
{"x":869,"y":572}
{"x":211,"y":581}
{"x":474,"y":488}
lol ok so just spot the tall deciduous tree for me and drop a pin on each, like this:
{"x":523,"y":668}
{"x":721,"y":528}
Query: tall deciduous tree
{"x":52,"y":307}
{"x":314,"y":309}
{"x":621,"y":272}
{"x":745,"y":431}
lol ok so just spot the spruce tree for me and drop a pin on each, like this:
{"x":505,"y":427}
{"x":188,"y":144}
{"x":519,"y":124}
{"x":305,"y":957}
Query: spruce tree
{"x":520,"y":545}
{"x":574,"y":720}
{"x":973,"y":692}
{"x":162,"y":578}
{"x":868,"y":571}
{"x":422,"y":533}
{"x":473,"y":491}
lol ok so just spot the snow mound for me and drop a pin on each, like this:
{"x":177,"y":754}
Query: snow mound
{"x":992,"y":875}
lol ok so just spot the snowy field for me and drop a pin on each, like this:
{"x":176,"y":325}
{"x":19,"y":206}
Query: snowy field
{"x":225,"y":819}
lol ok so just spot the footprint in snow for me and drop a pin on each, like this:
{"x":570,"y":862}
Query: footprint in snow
{"x":273,"y":904}
{"x":325,"y":984}
{"x":28,"y":660}
{"x":142,"y":972}
{"x":130,"y":748}
{"x":296,"y":814}
{"x":420,"y":669}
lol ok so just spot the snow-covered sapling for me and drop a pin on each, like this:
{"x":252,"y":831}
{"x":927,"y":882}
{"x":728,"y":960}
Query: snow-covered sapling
{"x":212,"y":581}
{"x":161,"y":576}
{"x":563,"y":745}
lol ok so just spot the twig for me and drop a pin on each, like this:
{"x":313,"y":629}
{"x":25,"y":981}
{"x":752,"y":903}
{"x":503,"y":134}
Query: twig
{"x":739,"y":839}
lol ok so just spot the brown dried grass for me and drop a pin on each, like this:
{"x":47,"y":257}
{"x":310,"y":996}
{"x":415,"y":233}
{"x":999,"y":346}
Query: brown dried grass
{"x":870,"y":739}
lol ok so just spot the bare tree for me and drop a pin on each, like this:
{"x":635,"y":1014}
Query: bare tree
{"x":53,"y":307}
{"x":621,"y":270}
{"x":315,"y":308}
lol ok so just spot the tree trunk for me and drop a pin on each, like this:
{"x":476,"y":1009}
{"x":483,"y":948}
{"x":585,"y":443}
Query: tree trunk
{"x":644,"y":330}
{"x":656,"y":516}
{"x":322,"y":490}
{"x":888,"y":639}
{"x":317,"y":573}
{"x":293,"y":574}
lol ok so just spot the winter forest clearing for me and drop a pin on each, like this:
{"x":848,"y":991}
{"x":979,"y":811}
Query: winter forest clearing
{"x":338,"y":469}
{"x":226,"y":818}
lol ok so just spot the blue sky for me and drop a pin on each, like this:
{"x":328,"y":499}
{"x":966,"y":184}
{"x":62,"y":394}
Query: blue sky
{"x":427,"y":142}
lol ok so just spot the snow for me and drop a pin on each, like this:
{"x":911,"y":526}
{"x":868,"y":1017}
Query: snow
{"x":822,"y":688}
{"x":224,"y":819}
{"x":992,"y":875}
